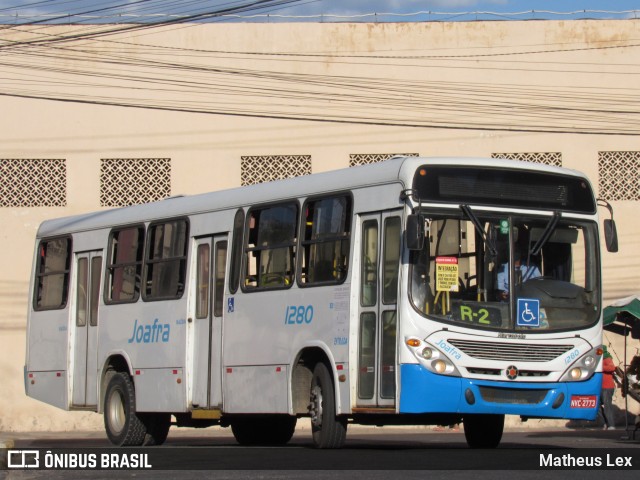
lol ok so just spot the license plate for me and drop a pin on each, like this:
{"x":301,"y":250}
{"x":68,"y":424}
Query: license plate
{"x":583,"y":401}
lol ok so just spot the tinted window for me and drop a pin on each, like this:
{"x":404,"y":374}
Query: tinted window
{"x":326,"y":241}
{"x":270,"y":247}
{"x":166,"y":260}
{"x":52,"y":274}
{"x":236,"y":251}
{"x":125,"y":265}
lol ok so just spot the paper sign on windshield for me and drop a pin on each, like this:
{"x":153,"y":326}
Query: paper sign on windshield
{"x":446,"y":274}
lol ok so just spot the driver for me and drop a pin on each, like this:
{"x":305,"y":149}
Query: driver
{"x":523,"y":273}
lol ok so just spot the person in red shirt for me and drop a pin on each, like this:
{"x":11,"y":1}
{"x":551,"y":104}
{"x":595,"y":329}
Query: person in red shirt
{"x":608,"y":387}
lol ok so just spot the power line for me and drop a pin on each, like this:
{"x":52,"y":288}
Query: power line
{"x":366,"y":17}
{"x":90,"y":70}
{"x":192,"y":16}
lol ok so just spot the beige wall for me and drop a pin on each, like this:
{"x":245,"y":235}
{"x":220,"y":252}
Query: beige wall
{"x":416,"y":63}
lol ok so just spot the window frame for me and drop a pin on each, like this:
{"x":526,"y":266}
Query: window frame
{"x":246,"y":250}
{"x":237,"y":251}
{"x":203,"y":281}
{"x":218,"y":275}
{"x":389,"y":259}
{"x":39,"y":274}
{"x":139,"y":263}
{"x":183,"y":259}
{"x":347,"y":235}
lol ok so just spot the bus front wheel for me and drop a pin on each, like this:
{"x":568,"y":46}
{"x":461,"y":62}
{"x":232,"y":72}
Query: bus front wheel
{"x":327,"y":429}
{"x":123,"y":426}
{"x":483,"y":431}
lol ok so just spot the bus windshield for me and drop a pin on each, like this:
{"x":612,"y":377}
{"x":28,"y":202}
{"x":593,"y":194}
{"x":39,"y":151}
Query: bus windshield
{"x":506,"y":272}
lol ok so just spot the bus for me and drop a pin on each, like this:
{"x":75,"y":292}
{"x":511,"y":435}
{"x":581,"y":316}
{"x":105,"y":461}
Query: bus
{"x":415,"y":291}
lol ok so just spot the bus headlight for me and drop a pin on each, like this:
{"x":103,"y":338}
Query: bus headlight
{"x":427,"y":353}
{"x":431,"y":358}
{"x":583,"y":368}
{"x":440,"y":366}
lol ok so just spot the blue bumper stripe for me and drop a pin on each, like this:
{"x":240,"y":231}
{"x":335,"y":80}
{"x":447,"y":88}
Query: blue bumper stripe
{"x":422,"y":391}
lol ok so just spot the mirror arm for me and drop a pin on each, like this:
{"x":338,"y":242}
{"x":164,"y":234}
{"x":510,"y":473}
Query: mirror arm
{"x":603,"y":203}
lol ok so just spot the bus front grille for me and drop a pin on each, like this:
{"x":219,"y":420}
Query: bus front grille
{"x":512,"y":352}
{"x":497,"y":372}
{"x":505,"y":395}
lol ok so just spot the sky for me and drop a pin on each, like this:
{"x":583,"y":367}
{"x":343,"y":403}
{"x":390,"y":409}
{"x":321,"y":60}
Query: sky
{"x":498,"y":6}
{"x":24,"y":11}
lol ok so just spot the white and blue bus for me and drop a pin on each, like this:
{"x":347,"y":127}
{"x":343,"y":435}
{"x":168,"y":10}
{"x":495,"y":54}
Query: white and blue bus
{"x":416,"y":291}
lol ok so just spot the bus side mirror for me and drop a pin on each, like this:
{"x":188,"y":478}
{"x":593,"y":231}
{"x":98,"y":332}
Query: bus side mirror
{"x":415,"y":232}
{"x":611,"y":236}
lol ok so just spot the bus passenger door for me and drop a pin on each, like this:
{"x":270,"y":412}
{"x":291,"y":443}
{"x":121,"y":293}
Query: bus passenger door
{"x":211,"y":259}
{"x":380,"y":266}
{"x":85,"y":357}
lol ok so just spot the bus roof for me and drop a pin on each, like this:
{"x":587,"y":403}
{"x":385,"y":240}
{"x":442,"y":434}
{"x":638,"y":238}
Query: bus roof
{"x":396,"y":170}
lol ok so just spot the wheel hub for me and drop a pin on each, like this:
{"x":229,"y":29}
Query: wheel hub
{"x":117,"y":417}
{"x":315,"y":407}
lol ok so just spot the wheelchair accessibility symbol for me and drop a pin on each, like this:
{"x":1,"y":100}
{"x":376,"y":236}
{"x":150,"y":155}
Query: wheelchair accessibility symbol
{"x":528,"y":312}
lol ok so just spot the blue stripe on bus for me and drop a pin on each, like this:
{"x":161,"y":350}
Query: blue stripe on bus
{"x":422,"y":391}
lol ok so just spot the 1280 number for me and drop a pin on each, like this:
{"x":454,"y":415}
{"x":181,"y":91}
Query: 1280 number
{"x":298,"y":314}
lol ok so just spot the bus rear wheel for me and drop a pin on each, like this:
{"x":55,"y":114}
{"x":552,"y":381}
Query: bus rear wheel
{"x":327,"y":429}
{"x":483,"y":430}
{"x":271,"y":430}
{"x":123,"y":425}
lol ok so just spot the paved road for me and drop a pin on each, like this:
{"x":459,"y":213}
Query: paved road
{"x":392,"y":438}
{"x":370,"y":453}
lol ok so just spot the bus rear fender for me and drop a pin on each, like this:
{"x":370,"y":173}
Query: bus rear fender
{"x":116,"y":362}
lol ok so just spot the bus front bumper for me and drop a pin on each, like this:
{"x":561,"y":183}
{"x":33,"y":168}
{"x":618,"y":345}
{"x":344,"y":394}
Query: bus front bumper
{"x":422,"y":391}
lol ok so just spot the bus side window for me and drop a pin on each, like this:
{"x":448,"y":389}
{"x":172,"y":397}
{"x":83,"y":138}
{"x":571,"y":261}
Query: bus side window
{"x":124,"y":267}
{"x":52,"y":274}
{"x":236,"y":251}
{"x":270,"y":247}
{"x":326,"y":240}
{"x":166,"y":260}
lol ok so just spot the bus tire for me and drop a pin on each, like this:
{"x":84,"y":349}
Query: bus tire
{"x":328,"y":430}
{"x":483,"y":430}
{"x":282,"y":429}
{"x":272,"y":430}
{"x":123,"y":425}
{"x":157,"y":425}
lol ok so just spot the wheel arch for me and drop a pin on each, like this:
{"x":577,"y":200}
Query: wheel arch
{"x":302,"y":373}
{"x":116,"y":362}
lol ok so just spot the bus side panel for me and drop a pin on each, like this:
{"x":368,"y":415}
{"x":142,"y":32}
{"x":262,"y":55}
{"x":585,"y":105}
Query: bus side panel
{"x":160,"y":390}
{"x":261,"y":389}
{"x":47,"y":357}
{"x":49,"y":387}
{"x":152,"y":335}
{"x":268,"y":329}
{"x":48,"y":340}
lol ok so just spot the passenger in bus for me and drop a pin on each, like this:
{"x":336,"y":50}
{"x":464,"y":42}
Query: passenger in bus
{"x":524,"y":272}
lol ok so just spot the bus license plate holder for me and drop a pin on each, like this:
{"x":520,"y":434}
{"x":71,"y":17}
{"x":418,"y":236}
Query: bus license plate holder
{"x":584,"y":401}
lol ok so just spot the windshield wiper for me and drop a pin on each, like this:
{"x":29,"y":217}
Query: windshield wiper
{"x":548,"y":230}
{"x":476,"y":223}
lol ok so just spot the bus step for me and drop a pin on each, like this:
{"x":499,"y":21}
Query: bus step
{"x":202,"y":414}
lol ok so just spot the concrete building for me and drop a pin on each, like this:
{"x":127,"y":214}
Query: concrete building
{"x":93,"y":122}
